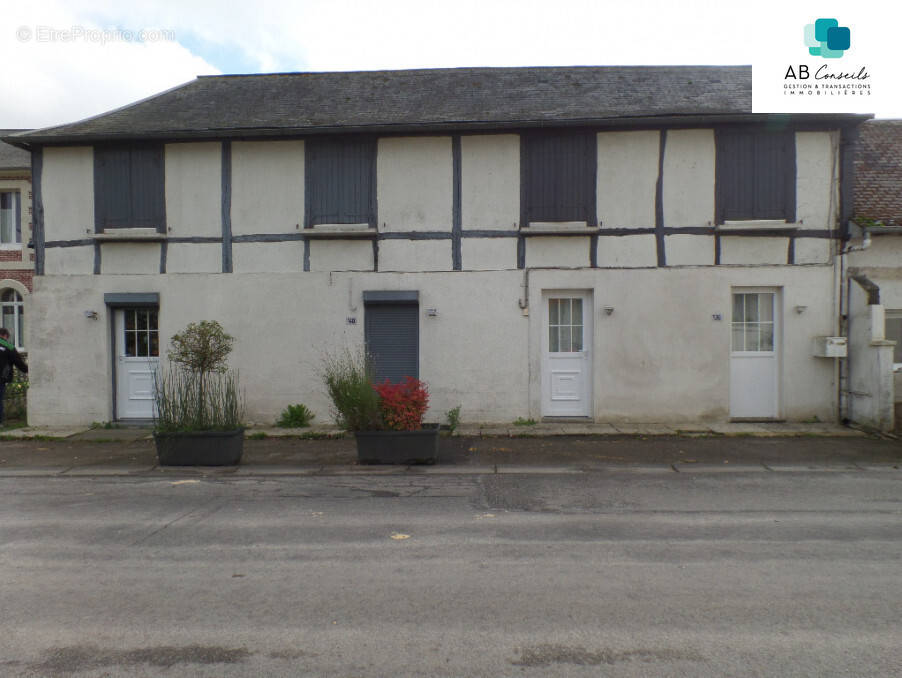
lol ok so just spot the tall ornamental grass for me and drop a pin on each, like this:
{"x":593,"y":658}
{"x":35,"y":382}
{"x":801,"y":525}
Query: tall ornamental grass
{"x":186,"y":402}
{"x":348,"y":377}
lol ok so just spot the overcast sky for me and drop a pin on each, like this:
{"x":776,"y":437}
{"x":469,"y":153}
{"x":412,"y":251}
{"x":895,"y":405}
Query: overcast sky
{"x":68,"y":60}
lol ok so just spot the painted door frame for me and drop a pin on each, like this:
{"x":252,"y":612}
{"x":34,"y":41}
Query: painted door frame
{"x":777,"y":354}
{"x":115,"y":302}
{"x":587,"y":358}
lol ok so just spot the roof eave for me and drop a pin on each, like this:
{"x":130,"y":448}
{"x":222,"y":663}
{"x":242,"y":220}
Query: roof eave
{"x":693,"y":119}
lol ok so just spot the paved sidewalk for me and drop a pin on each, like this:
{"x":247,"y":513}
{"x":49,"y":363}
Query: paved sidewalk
{"x":543,"y":448}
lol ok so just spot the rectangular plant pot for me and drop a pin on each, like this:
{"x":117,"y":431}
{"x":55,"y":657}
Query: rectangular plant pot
{"x":200,"y":448}
{"x":398,"y":447}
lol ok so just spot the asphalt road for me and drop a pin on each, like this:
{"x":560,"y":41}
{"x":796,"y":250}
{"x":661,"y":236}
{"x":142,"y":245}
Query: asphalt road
{"x":630,"y":572}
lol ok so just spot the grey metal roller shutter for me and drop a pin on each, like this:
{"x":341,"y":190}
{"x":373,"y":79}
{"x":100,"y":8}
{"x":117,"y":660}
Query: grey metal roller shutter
{"x":392,"y":334}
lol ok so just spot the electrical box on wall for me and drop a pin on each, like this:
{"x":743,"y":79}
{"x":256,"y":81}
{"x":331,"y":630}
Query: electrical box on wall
{"x":831,"y":347}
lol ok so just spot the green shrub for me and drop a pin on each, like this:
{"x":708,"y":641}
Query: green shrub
{"x":295,"y":416}
{"x":452,"y":416}
{"x":16,"y":398}
{"x":348,"y":377}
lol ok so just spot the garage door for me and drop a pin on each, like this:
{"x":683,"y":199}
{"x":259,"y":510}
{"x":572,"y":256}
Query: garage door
{"x":392,"y":334}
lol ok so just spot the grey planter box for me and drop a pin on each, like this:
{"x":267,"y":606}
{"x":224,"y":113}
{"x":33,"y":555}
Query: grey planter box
{"x":200,"y":448}
{"x":398,"y":447}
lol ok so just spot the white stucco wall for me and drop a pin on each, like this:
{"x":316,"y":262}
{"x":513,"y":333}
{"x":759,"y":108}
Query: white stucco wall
{"x":194,"y":189}
{"x":69,"y":260}
{"x":67,"y":189}
{"x":654,"y":359}
{"x":414,"y":183}
{"x":268,"y":257}
{"x":627,"y":179}
{"x":118,"y":258}
{"x":194,"y":258}
{"x":569,"y":251}
{"x":415,"y":255}
{"x":627,"y":251}
{"x":688,"y":181}
{"x":490,"y":181}
{"x":813,"y":251}
{"x":341,"y":255}
{"x":817,"y":176}
{"x":765,"y":250}
{"x":267,"y":186}
{"x":488,"y":254}
{"x":689,"y":250}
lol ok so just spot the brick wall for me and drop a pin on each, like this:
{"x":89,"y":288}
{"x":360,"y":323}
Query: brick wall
{"x":23,"y":276}
{"x":878,"y":171}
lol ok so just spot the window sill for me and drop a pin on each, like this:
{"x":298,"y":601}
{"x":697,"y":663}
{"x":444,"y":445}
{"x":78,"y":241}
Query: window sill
{"x":340,"y":231}
{"x":758,"y":225}
{"x":559,"y":228}
{"x":884,"y":230}
{"x":11,"y":246}
{"x":129,"y":235}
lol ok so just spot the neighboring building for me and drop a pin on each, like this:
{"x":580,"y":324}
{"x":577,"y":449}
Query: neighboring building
{"x":16,"y":260}
{"x":876,"y":258}
{"x":611,"y":244}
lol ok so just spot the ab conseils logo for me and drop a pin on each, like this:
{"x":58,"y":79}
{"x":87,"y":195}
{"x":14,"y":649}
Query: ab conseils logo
{"x":827,"y":39}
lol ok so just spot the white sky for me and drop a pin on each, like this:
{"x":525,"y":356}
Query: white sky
{"x":52,"y":78}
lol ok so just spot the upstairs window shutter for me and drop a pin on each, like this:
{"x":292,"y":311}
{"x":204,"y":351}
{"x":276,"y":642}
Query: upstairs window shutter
{"x":340,"y":180}
{"x":129,"y":188}
{"x":559,"y":176}
{"x":755,"y":175}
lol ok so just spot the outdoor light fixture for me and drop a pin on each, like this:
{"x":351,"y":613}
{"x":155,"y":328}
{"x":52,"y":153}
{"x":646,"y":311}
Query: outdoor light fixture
{"x":608,"y":310}
{"x":801,"y":309}
{"x":91,"y":315}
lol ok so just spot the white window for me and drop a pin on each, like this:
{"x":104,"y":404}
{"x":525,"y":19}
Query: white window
{"x":753,"y":322}
{"x":12,"y":312}
{"x":565,"y":325}
{"x":894,"y":333}
{"x":10,"y":215}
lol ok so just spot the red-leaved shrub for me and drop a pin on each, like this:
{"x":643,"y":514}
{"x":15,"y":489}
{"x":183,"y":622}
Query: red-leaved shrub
{"x":403,"y":405}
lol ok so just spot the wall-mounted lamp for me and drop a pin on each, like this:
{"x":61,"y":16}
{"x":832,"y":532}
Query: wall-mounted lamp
{"x":91,"y":315}
{"x":608,"y":310}
{"x":432,"y":312}
{"x":801,"y":309}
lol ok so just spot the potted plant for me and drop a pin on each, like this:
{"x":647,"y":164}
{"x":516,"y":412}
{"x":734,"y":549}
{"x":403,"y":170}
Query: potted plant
{"x":199,"y":409}
{"x":386,"y":419}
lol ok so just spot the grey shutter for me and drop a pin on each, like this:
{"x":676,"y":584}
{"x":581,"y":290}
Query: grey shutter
{"x":340,"y":180}
{"x":755,"y":175}
{"x":147,"y":187}
{"x":129,"y":187}
{"x":392,"y":334}
{"x":112,"y":193}
{"x":560,"y":176}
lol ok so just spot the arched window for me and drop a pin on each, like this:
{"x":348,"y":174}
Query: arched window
{"x":12,"y":313}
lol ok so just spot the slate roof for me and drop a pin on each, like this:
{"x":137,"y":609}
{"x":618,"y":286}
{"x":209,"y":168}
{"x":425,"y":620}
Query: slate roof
{"x":878,"y":171}
{"x":409,"y":100}
{"x":12,"y":157}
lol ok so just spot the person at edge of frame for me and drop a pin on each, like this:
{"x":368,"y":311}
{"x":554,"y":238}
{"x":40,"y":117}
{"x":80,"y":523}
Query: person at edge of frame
{"x":9,"y":357}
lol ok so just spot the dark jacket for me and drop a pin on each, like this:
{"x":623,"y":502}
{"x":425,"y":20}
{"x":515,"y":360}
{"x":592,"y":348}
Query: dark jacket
{"x":8,"y":358}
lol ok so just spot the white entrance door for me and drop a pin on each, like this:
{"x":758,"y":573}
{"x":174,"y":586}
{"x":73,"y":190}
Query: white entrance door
{"x":137,"y":359}
{"x":754,"y":355}
{"x":566,"y":354}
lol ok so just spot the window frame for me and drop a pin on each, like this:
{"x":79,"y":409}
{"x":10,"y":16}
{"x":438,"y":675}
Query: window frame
{"x":147,"y":160}
{"x":17,"y":332}
{"x":729,"y":211}
{"x":540,"y":149}
{"x":894,"y":314}
{"x":16,"y":242}
{"x":321,"y":155}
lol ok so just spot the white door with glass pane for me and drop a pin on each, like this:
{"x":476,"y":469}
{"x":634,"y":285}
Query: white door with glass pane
{"x":137,"y":359}
{"x":754,"y":355}
{"x":566,"y":354}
